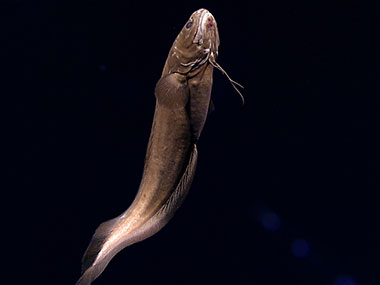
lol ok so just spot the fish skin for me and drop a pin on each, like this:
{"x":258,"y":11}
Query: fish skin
{"x":182,"y":102}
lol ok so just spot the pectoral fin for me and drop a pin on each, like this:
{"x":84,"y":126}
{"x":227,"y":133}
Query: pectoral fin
{"x":172,"y":91}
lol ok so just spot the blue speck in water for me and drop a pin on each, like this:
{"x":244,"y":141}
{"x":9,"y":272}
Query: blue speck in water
{"x":271,"y":221}
{"x":301,"y":248}
{"x":345,"y":280}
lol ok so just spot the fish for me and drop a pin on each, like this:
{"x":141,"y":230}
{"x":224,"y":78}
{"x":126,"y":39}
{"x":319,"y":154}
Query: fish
{"x":183,"y":100}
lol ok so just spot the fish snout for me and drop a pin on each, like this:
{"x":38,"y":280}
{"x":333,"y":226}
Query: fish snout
{"x":208,"y":19}
{"x":209,"y":22}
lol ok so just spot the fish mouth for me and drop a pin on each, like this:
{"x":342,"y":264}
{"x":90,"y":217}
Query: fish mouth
{"x":207,"y":35}
{"x":207,"y":29}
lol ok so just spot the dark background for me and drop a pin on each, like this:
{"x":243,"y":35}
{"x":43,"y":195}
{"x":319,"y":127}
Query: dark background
{"x":286,"y":187}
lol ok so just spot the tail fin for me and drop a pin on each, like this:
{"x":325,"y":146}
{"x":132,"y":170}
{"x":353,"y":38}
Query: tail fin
{"x":93,"y":266}
{"x":90,"y":269}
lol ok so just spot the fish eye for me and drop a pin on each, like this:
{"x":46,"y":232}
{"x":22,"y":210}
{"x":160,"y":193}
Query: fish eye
{"x":189,"y":24}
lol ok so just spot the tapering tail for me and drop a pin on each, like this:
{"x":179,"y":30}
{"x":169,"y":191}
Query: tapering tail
{"x":96,"y":258}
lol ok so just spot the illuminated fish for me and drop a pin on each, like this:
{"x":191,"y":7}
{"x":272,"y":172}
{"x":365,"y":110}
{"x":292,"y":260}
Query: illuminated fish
{"x":182,"y":103}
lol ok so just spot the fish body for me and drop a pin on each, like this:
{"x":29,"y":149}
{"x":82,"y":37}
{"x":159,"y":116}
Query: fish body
{"x":182,"y":102}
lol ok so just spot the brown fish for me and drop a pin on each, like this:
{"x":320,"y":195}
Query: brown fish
{"x":182,"y":103}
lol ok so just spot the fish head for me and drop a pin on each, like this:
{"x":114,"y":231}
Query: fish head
{"x":197,"y":42}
